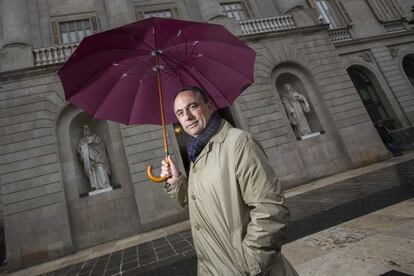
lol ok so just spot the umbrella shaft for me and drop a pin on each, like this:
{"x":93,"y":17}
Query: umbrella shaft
{"x":160,"y":93}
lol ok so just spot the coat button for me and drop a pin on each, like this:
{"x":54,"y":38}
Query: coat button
{"x":196,"y":227}
{"x":200,"y":258}
{"x":256,"y":269}
{"x":193,"y":197}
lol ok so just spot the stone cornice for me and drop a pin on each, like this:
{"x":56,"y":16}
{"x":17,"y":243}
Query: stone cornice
{"x":29,"y":72}
{"x":373,"y":38}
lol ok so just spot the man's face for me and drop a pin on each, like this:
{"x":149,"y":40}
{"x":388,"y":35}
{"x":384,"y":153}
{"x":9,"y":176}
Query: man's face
{"x":192,"y":112}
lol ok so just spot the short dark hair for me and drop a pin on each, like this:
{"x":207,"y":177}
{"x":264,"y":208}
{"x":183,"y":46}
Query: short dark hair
{"x":195,"y":90}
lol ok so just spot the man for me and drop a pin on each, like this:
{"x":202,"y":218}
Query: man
{"x":235,"y":202}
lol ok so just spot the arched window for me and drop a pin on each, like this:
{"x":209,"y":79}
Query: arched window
{"x":408,"y":65}
{"x":371,"y":97}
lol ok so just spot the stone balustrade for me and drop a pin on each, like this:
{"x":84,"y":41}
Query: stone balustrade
{"x":54,"y":54}
{"x":340,"y":34}
{"x":268,"y":24}
{"x":394,"y":26}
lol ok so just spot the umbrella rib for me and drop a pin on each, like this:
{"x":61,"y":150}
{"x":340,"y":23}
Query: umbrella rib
{"x":227,"y":44}
{"x":228,"y":101}
{"x":218,"y":61}
{"x":194,"y":78}
{"x":107,"y":95}
{"x":94,"y":54}
{"x":136,"y":39}
{"x":136,"y":94}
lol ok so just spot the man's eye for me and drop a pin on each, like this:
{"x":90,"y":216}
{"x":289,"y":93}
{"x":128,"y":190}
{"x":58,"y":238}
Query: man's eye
{"x":192,"y":107}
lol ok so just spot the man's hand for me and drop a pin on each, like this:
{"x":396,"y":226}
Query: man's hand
{"x":169,"y":169}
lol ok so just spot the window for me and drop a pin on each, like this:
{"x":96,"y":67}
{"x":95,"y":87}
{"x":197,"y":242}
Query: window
{"x":164,"y":13}
{"x":73,"y":31}
{"x":236,"y":10}
{"x":385,"y":10}
{"x":369,"y":96}
{"x":333,"y":12}
{"x":408,"y":65}
{"x":161,"y":13}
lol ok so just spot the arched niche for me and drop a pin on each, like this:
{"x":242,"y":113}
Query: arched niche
{"x":69,"y":131}
{"x":408,"y":66}
{"x":305,"y":89}
{"x":97,"y":218}
{"x":373,"y":96}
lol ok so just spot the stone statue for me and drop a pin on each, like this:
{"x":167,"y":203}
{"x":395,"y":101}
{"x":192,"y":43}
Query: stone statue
{"x":95,"y":162}
{"x":296,"y":106}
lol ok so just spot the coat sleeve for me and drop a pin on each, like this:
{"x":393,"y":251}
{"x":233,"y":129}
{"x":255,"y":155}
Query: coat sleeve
{"x":178,"y":191}
{"x":262,"y":192}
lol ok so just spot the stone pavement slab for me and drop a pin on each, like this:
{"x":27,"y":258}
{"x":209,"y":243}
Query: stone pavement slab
{"x":374,"y":244}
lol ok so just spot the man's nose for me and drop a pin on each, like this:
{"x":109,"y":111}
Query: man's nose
{"x":188,"y":115}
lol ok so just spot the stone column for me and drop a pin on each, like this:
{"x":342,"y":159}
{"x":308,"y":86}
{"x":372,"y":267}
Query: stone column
{"x":120,"y":12}
{"x":16,"y":52}
{"x":304,"y":16}
{"x":16,"y":25}
{"x":211,"y":11}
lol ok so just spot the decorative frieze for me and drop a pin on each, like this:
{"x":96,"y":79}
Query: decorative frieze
{"x":366,"y":57}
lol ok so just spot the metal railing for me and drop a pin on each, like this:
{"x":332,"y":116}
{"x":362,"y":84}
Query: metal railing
{"x":54,"y":54}
{"x":340,"y":34}
{"x":268,"y":24}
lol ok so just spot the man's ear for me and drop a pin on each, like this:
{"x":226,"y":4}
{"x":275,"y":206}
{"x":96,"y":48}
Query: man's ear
{"x":211,"y":106}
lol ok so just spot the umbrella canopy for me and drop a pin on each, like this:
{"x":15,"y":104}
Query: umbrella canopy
{"x":116,"y":75}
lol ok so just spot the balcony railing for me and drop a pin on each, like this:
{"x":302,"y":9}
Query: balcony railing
{"x":340,"y":35}
{"x":54,"y":54}
{"x":394,"y":26}
{"x":268,"y":24}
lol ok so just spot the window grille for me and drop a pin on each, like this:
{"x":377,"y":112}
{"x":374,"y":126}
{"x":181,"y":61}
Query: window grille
{"x":236,"y":10}
{"x":167,"y":12}
{"x":73,"y":31}
{"x":161,"y":13}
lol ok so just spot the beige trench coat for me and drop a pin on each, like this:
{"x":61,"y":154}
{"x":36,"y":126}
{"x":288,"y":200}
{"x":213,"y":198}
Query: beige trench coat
{"x":236,"y":207}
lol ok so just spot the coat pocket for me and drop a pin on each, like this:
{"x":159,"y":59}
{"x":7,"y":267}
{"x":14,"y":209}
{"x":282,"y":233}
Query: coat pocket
{"x":239,"y":254}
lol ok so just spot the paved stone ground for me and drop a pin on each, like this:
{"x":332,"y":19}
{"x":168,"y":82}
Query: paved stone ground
{"x":312,"y":212}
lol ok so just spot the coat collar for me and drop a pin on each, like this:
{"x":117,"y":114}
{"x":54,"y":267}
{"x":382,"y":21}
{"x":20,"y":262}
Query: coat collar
{"x":222,"y":133}
{"x":216,"y":138}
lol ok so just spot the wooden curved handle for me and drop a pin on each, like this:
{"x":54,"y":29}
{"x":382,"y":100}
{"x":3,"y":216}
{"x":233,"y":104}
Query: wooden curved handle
{"x":153,"y":178}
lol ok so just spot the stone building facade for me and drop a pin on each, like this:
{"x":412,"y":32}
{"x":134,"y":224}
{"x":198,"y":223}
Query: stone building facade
{"x":353,"y":61}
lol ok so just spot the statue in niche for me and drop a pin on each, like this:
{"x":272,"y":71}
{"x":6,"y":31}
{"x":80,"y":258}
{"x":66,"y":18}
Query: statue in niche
{"x":95,"y":161}
{"x":296,"y":106}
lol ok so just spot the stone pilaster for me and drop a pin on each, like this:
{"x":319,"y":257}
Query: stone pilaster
{"x":16,"y":25}
{"x":120,"y":12}
{"x":16,"y":52}
{"x":303,"y":15}
{"x":212,"y":12}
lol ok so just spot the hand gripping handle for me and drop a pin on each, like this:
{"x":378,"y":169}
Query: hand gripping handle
{"x":153,"y":178}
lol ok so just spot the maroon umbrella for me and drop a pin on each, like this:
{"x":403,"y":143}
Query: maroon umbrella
{"x":128,"y":74}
